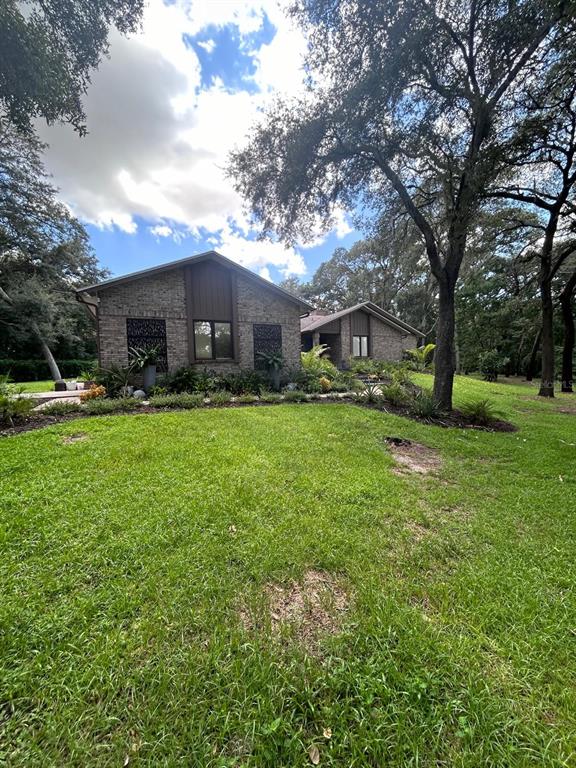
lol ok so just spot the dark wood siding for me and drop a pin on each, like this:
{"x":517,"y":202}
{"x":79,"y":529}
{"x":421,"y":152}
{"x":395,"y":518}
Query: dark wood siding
{"x":211,"y":294}
{"x":360,"y":324}
{"x":210,"y":287}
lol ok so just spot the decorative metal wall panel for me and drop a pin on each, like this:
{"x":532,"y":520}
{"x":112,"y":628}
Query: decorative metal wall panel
{"x":146,"y":333}
{"x":267,"y":339}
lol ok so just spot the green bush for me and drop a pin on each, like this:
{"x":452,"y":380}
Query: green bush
{"x":420,"y":359}
{"x":114,"y":378}
{"x":270,"y":397}
{"x":424,"y":406}
{"x":395,"y":394}
{"x":491,"y":363}
{"x":102,"y":406}
{"x":481,"y":412}
{"x":245,"y":382}
{"x":38,"y":370}
{"x":294,"y":396}
{"x":182,"y":380}
{"x":370,"y":393}
{"x":315,"y":363}
{"x":247,"y":398}
{"x":220,"y":397}
{"x":61,"y":408}
{"x":13,"y":407}
{"x":178,"y":400}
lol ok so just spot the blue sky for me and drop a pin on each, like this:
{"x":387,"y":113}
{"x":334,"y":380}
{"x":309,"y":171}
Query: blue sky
{"x":163,"y":112}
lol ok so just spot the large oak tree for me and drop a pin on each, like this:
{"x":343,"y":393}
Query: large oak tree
{"x":413,"y":96}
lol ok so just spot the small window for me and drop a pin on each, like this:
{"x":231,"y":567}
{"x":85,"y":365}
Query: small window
{"x":360,"y":346}
{"x":212,"y":340}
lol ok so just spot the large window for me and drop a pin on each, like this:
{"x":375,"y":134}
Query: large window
{"x":145,"y":333}
{"x":212,"y":340}
{"x":360,"y":346}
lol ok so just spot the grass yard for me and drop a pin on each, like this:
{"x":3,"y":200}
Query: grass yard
{"x":130,"y":557}
{"x":36,"y":386}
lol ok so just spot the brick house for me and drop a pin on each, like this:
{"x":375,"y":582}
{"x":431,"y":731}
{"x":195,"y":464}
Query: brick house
{"x":203,"y":311}
{"x":364,"y":330}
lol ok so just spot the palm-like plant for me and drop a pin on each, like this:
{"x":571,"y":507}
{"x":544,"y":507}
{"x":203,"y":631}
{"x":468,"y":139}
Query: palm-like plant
{"x":273,"y":362}
{"x":421,"y":357}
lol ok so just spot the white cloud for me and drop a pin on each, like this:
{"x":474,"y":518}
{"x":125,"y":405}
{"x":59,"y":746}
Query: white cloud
{"x":207,"y":45}
{"x":157,"y":143}
{"x":265,"y":273}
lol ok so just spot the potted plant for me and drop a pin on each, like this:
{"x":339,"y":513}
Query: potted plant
{"x":145,"y":359}
{"x":273,"y":362}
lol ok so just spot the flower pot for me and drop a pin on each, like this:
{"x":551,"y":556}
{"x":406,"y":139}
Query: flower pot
{"x":275,"y":380}
{"x":149,"y":375}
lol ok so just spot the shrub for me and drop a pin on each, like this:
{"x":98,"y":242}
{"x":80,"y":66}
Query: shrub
{"x":395,"y":394}
{"x":178,"y":400}
{"x":247,"y":398}
{"x":325,"y":383}
{"x":363,"y":366}
{"x":399,"y":373}
{"x":421,"y":357}
{"x":424,"y":406}
{"x":157,"y":390}
{"x":270,"y":397}
{"x":93,"y":393}
{"x":316,"y":363}
{"x":208,"y":381}
{"x":115,"y":378}
{"x":61,"y":408}
{"x":13,"y":407}
{"x":221,"y":397}
{"x":100,"y":407}
{"x":491,"y":364}
{"x":182,"y":380}
{"x":481,"y":412}
{"x":244,"y":382}
{"x":369,"y":394}
{"x":295,"y":396}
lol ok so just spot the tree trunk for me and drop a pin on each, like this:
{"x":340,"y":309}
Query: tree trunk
{"x":444,"y":352}
{"x":49,"y":357}
{"x":569,"y":333}
{"x":547,"y":381}
{"x":531,"y":367}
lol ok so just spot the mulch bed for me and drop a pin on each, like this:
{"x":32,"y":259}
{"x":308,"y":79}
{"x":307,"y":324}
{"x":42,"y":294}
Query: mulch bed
{"x":454,"y":419}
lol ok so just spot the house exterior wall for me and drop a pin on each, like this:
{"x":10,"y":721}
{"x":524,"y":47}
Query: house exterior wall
{"x":160,"y":296}
{"x":163,"y":295}
{"x":258,"y":305}
{"x":386,"y":343}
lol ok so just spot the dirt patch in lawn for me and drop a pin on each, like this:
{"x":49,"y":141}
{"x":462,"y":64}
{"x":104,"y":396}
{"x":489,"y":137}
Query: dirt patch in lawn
{"x":79,"y":437}
{"x":412,"y":457}
{"x":310,"y":608}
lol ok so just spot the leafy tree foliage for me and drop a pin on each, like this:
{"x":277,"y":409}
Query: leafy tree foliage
{"x":44,"y":255}
{"x":47,"y":51}
{"x":405,"y":95}
{"x":539,"y":171}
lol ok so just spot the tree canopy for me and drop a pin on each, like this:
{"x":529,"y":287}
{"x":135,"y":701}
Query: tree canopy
{"x":44,"y":253}
{"x":408,"y":96}
{"x":48,"y":49}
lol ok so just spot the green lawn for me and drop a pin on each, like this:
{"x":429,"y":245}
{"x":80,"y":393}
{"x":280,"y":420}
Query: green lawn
{"x":36,"y":386}
{"x":128,"y":558}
